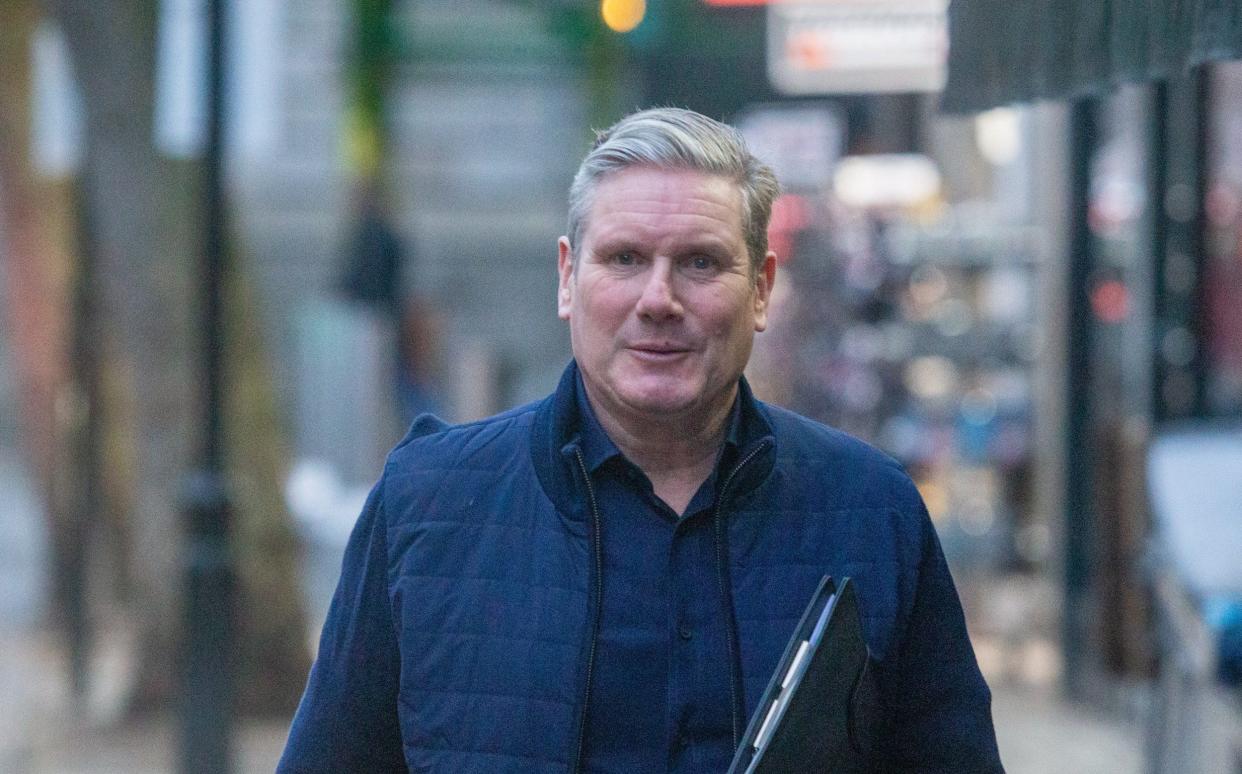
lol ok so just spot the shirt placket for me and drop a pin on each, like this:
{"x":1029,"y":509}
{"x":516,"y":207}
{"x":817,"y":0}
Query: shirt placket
{"x":700,"y":665}
{"x":681,"y":681}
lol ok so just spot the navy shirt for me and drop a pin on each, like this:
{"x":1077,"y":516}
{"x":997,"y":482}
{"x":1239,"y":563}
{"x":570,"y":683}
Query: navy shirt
{"x":660,"y":698}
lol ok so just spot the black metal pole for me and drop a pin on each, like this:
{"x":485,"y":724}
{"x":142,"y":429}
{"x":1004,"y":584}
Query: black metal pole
{"x":88,"y":495}
{"x":1201,"y":324}
{"x":1079,"y":444}
{"x":214,"y":258}
{"x":1157,"y":192}
{"x":1181,"y":320}
{"x":1200,"y":319}
{"x":207,"y":710}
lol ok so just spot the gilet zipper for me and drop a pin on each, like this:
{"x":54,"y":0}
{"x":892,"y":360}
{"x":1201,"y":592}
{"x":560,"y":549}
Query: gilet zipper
{"x":598,"y":554}
{"x":726,"y":599}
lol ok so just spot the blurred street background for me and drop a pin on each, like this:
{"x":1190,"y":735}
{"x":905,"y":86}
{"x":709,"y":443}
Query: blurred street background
{"x":244,"y":242}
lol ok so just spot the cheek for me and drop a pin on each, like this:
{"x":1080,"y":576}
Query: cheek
{"x":595,"y":317}
{"x":604,"y":307}
{"x":730,"y":314}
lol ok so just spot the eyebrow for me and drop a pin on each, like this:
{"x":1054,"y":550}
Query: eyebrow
{"x":626,"y":244}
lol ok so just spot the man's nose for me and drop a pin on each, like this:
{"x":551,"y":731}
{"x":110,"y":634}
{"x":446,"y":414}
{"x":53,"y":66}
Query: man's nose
{"x":659,"y":296}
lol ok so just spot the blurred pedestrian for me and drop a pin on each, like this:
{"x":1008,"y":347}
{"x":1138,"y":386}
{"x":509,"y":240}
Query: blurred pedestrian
{"x":373,"y":276}
{"x":604,"y":580}
{"x":374,"y":258}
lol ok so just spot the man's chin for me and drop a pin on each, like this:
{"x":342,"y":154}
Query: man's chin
{"x":663,"y":403}
{"x":654,"y":396}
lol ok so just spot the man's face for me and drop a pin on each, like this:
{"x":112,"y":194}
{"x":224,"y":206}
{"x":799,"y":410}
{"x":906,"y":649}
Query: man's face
{"x":662,"y":304}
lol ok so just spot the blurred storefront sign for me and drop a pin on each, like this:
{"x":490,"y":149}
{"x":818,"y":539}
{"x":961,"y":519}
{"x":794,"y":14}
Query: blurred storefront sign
{"x":857,"y":46}
{"x":801,"y":143}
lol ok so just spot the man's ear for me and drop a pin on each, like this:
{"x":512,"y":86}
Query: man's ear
{"x":565,"y":272}
{"x":764,"y":279}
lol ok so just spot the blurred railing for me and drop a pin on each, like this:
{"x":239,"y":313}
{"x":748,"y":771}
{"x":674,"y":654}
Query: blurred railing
{"x":1195,"y":481}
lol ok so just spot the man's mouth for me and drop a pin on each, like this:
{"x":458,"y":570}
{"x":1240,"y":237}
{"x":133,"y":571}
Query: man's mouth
{"x":658,"y":351}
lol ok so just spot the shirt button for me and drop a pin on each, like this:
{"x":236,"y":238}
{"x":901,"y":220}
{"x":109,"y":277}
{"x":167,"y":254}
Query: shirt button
{"x":684,"y":632}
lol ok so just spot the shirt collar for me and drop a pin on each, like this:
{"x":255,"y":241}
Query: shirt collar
{"x":598,"y":448}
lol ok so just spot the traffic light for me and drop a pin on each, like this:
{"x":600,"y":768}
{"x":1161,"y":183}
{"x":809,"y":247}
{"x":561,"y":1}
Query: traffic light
{"x":622,"y":15}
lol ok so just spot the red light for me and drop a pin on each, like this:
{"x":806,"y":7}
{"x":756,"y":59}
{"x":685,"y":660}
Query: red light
{"x":790,"y":214}
{"x":1110,"y":300}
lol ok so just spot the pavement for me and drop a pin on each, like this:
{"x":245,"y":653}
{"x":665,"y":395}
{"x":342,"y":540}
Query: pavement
{"x":1013,"y":620}
{"x":1038,"y":732}
{"x":137,"y":748}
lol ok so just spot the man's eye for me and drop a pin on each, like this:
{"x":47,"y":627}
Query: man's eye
{"x":625,"y":259}
{"x":702,"y":263}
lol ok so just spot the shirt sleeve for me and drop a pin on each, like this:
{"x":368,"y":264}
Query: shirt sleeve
{"x":347,"y":719}
{"x":939,"y":715}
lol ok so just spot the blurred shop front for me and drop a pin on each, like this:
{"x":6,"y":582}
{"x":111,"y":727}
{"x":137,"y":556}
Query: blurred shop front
{"x":907,"y":318}
{"x":1153,"y":282}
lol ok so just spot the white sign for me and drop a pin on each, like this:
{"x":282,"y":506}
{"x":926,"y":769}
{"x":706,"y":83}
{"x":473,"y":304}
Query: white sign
{"x":893,"y":180}
{"x":857,"y":46}
{"x":800,"y":143}
{"x":56,"y":109}
{"x":252,"y":61}
{"x":181,"y":78}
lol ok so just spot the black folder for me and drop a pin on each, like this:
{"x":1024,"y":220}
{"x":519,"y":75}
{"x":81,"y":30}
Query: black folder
{"x":819,"y":711}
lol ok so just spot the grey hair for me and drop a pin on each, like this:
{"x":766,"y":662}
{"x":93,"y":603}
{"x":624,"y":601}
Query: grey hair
{"x":677,"y":139}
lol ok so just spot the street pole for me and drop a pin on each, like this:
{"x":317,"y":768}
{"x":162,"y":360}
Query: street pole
{"x":89,"y":497}
{"x":1180,"y":324}
{"x":1080,"y":457}
{"x":210,"y":578}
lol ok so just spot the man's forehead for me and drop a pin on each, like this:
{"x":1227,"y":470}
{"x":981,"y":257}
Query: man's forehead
{"x":668,"y":178}
{"x":657,"y":198}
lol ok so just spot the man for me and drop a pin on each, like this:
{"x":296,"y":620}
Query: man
{"x":603,"y":581}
